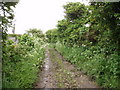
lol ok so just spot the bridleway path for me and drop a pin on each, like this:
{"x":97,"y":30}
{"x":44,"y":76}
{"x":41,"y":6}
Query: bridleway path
{"x":58,"y":73}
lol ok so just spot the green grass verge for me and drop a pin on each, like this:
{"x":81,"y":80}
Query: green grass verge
{"x":105,"y":70}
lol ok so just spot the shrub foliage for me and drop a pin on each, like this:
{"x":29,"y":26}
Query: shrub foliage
{"x":89,"y":37}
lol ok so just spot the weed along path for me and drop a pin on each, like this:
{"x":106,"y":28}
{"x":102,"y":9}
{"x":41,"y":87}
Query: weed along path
{"x":58,"y":73}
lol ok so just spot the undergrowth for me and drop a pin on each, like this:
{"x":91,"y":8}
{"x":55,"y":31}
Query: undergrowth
{"x":105,"y":70}
{"x":21,"y":62}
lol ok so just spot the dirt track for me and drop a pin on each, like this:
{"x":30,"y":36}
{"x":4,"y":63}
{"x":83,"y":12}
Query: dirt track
{"x":58,"y":73}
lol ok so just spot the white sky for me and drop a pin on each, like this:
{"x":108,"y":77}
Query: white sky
{"x":41,"y":14}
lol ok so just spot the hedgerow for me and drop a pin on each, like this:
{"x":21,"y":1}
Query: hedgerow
{"x":21,"y":62}
{"x":89,"y":37}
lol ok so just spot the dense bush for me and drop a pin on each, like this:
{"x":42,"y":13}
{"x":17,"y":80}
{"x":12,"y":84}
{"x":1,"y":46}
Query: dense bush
{"x":93,"y":62}
{"x":95,"y":48}
{"x":21,"y":62}
{"x":51,"y":36}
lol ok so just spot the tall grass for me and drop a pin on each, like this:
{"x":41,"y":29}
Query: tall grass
{"x":21,"y":63}
{"x":105,"y":70}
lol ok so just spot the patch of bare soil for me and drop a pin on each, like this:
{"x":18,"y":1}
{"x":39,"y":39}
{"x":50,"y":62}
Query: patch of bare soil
{"x":58,"y":73}
{"x":81,"y":80}
{"x":46,"y":76}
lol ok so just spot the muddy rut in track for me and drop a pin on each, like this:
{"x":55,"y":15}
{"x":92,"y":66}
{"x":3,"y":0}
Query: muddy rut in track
{"x":58,"y":73}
